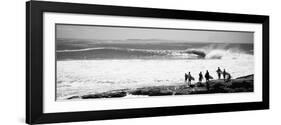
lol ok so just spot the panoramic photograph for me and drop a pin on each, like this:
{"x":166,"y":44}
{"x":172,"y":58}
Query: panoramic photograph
{"x":102,"y":62}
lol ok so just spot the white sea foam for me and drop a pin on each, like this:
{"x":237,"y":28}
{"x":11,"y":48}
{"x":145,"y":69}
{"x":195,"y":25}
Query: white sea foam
{"x":227,"y":54}
{"x":93,"y":76}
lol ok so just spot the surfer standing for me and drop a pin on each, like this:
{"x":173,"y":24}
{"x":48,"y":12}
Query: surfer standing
{"x":224,"y":74}
{"x":185,"y":77}
{"x":189,"y":79}
{"x":219,"y":72}
{"x":200,"y":77}
{"x":207,"y":77}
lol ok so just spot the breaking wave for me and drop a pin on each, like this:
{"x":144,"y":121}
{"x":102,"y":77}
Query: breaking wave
{"x":129,"y":53}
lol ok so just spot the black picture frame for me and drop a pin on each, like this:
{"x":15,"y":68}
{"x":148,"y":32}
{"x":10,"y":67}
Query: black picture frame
{"x":34,"y":61}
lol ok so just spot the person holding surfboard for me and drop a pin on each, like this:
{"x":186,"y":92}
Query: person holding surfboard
{"x":224,"y":74}
{"x":219,"y":72}
{"x":189,"y":78}
{"x":207,"y":77}
{"x":185,"y":77}
{"x":200,"y":77}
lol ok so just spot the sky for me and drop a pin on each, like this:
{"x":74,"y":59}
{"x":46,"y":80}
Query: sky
{"x":123,"y":33}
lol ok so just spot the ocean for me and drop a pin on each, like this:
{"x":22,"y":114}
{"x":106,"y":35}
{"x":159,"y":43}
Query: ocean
{"x":93,"y":66}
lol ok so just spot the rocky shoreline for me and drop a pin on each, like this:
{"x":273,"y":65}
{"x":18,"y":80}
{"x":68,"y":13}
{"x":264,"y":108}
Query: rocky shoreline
{"x":240,"y":84}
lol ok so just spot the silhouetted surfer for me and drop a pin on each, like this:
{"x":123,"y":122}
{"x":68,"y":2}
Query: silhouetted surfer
{"x":185,"y":77}
{"x":200,"y":77}
{"x":189,"y":79}
{"x":224,"y":74}
{"x":219,"y":72}
{"x":207,"y":77}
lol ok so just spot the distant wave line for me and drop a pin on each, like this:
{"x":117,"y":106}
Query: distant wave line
{"x":210,"y":53}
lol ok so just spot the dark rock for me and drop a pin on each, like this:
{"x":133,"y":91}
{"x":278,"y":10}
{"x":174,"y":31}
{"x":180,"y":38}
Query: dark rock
{"x":241,"y":84}
{"x":73,"y":97}
{"x":152,"y":91}
{"x":105,"y":95}
{"x":246,"y":77}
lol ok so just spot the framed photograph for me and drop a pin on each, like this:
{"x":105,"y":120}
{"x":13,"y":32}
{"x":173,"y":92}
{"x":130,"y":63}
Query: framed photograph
{"x":95,"y":62}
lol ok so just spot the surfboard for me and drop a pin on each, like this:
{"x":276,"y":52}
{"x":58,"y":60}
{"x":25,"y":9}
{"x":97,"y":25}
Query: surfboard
{"x":228,"y":75}
{"x":211,"y":77}
{"x":192,"y":78}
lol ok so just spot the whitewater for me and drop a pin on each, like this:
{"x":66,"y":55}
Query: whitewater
{"x":81,"y":77}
